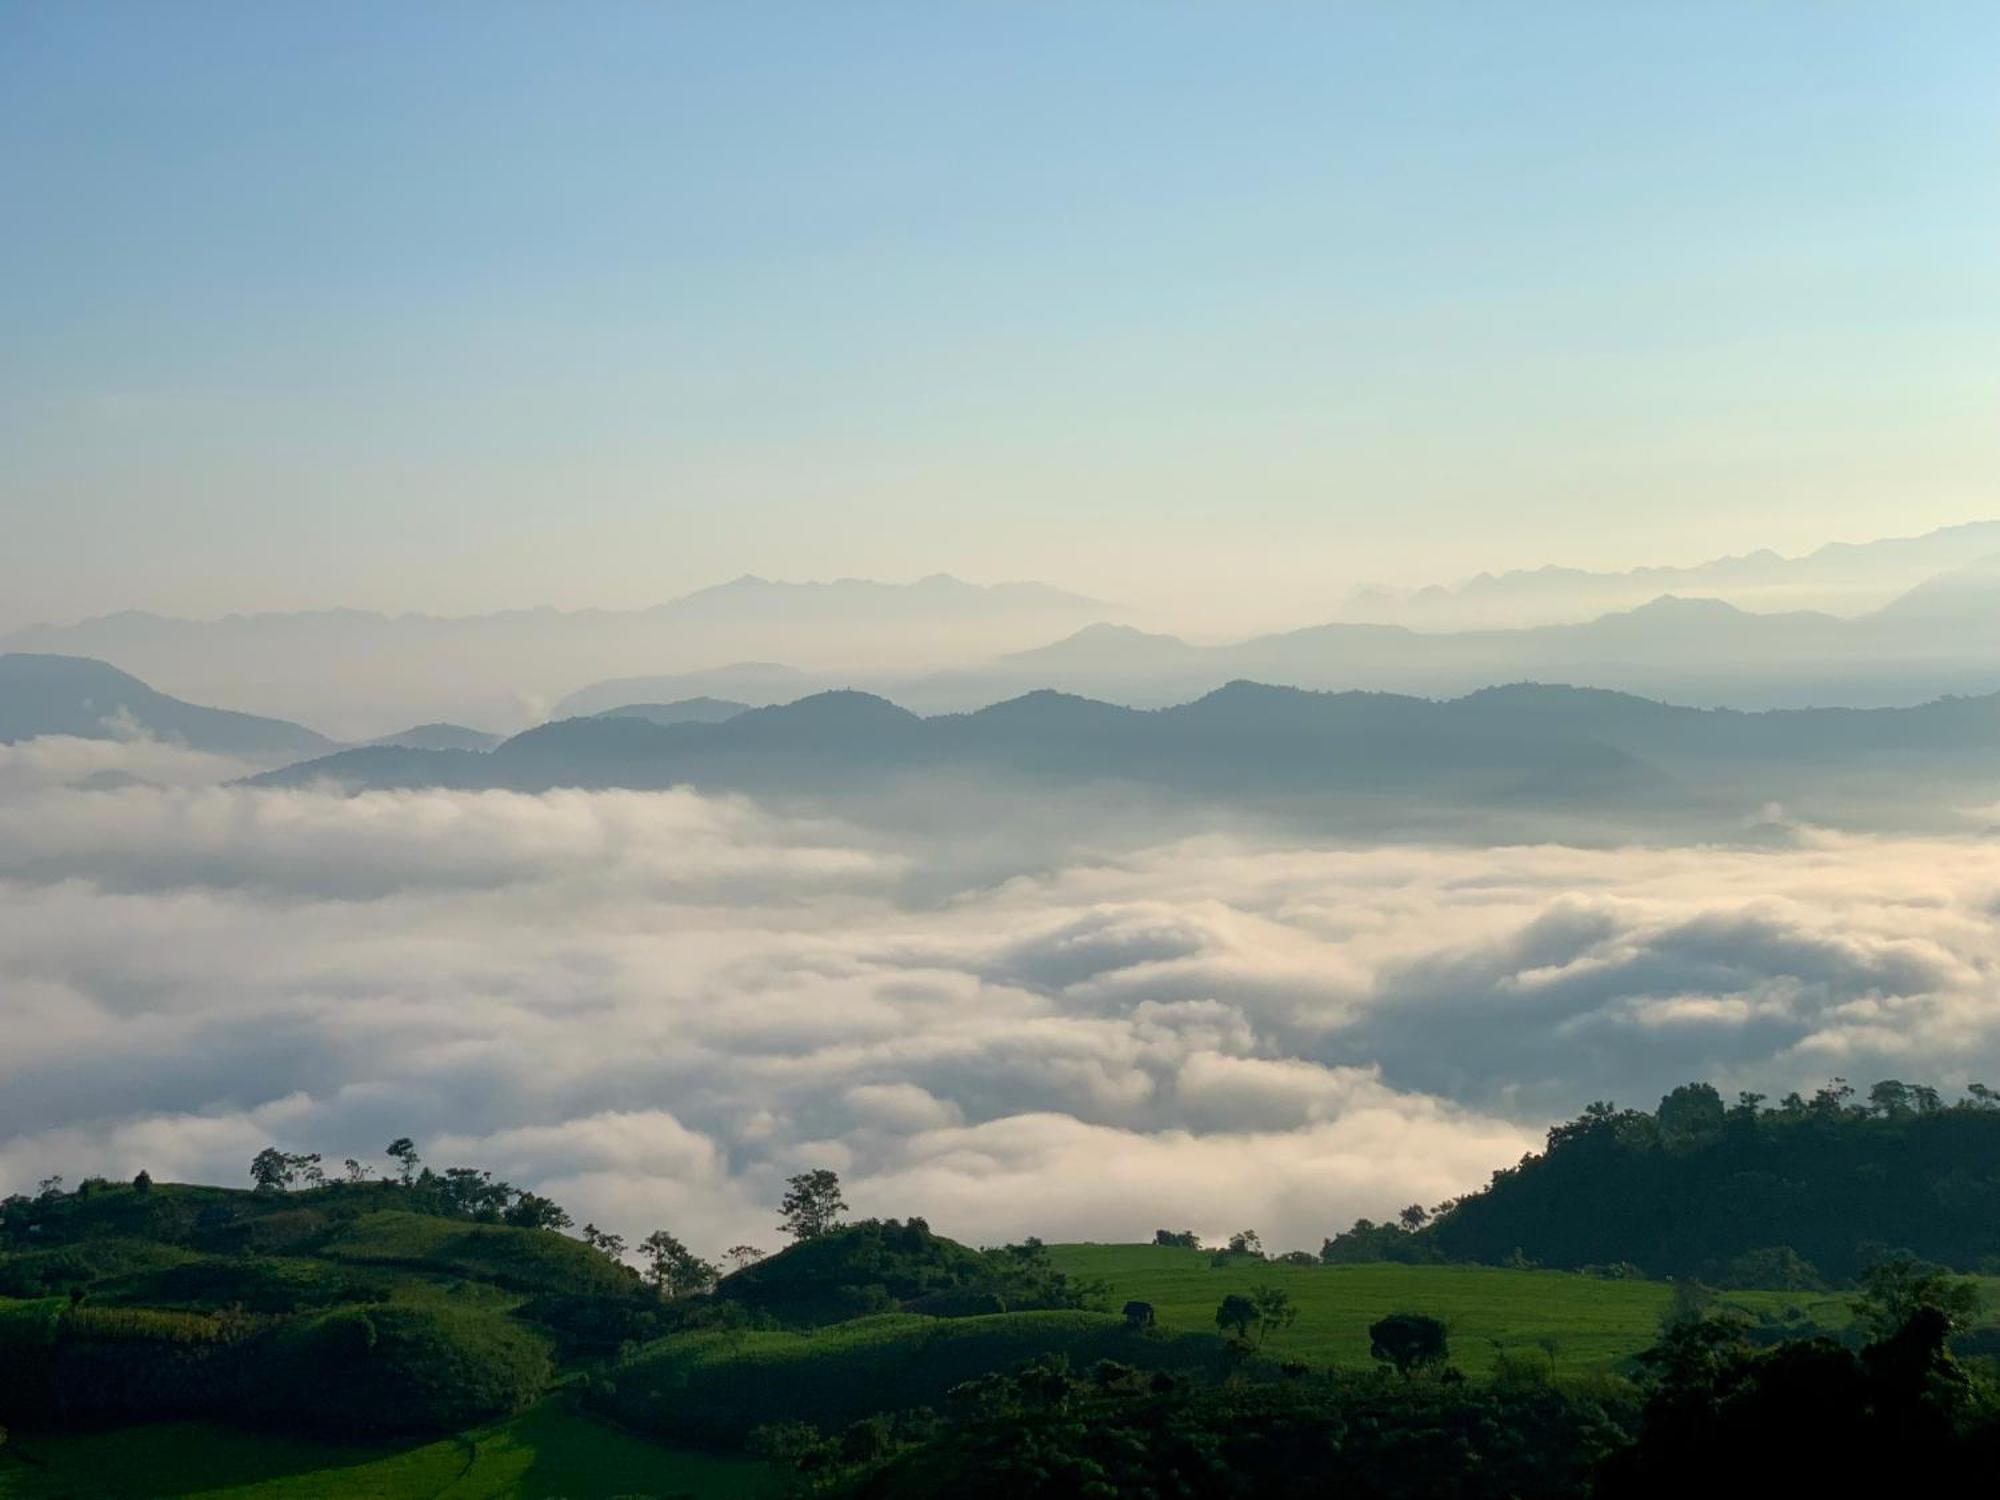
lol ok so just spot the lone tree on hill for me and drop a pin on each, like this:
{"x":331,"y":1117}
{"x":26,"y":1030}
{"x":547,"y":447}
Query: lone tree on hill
{"x":403,"y":1152}
{"x":1238,"y":1312}
{"x":673,"y":1268}
{"x":273,"y":1171}
{"x":1274,"y":1310}
{"x":812,"y":1205}
{"x":602,"y":1240}
{"x":1408,"y":1341}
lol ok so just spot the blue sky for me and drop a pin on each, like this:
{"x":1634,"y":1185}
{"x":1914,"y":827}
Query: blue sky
{"x":465,"y":306}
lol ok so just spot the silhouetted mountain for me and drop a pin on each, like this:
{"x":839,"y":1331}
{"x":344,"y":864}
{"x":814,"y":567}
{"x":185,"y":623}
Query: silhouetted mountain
{"x":1842,"y":577}
{"x":685,"y":711}
{"x":1245,"y":743}
{"x":362,"y":673}
{"x":1593,"y":752}
{"x":758,"y":683}
{"x":1929,"y":643}
{"x":74,"y":695}
{"x":761,"y":598}
{"x":440,"y":737}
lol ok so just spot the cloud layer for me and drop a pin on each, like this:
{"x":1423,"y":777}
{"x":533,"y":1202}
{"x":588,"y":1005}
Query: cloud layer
{"x":655,"y":1006}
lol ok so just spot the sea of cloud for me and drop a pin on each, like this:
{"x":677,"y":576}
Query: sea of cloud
{"x":655,"y":1006}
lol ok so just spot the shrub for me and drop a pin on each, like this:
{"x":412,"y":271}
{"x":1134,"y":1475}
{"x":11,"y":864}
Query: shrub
{"x":1408,"y":1341}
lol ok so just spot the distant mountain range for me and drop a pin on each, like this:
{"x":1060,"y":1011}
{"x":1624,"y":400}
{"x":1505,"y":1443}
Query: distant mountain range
{"x":357,"y":674}
{"x":1525,"y":747}
{"x":941,"y":645}
{"x":1394,"y":760}
{"x":67,"y":695}
{"x":1941,"y":637}
{"x":1841,"y":578}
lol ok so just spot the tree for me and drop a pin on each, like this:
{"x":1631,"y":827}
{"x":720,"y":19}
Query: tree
{"x":603,"y":1241}
{"x":1690,"y":1116}
{"x":740,"y":1256}
{"x":1891,"y":1099}
{"x":355,"y":1171}
{"x":271,"y":1170}
{"x":1409,"y":1341}
{"x":1832,"y":1100}
{"x":675,"y":1270}
{"x":1177,"y":1239}
{"x":403,"y":1152}
{"x":1139,"y":1316}
{"x":1238,"y":1312}
{"x":1414,"y":1217}
{"x":1274,"y":1310}
{"x":533,"y":1211}
{"x":143,"y":1183}
{"x":812,"y":1205}
{"x":1246,"y":1242}
{"x":1895,"y":1288}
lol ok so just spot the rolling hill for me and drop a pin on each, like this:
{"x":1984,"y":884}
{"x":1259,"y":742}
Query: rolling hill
{"x":74,"y":695}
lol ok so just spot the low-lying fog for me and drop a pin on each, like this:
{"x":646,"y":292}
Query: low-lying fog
{"x":654,"y":1006}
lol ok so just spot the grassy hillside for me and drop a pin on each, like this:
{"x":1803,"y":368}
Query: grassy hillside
{"x":523,"y":1261}
{"x":1589,"y":1324}
{"x":546,"y":1451}
{"x":717,"y":1387}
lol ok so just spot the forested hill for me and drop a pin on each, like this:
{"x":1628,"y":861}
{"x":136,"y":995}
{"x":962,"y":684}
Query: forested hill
{"x":1740,"y":1193}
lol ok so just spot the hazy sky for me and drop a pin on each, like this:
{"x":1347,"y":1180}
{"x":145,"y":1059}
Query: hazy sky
{"x":458,"y":307}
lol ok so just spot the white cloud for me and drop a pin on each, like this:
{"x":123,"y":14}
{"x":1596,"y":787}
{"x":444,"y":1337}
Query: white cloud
{"x":654,"y":1006}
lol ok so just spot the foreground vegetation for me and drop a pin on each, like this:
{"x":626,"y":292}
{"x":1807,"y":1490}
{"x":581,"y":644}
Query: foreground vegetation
{"x":443,"y":1334}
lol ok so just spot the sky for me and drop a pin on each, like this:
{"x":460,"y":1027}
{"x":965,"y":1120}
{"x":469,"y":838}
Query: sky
{"x":463,"y":307}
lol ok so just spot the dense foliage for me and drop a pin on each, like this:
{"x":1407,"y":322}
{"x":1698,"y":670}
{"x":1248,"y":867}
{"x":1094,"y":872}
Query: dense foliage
{"x":1816,"y":1186}
{"x":1051,"y":1436}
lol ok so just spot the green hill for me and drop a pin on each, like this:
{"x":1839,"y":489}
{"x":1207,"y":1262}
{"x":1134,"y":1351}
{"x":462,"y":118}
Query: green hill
{"x":1700,"y":1188}
{"x":882,"y":1265}
{"x":720,"y":1386}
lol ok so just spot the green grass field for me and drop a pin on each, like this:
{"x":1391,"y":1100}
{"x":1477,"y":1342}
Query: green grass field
{"x":1585,"y":1325}
{"x":544,"y":1453}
